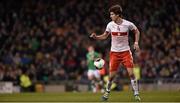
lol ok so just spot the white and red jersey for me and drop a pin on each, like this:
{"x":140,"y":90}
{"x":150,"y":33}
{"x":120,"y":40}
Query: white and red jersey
{"x":119,"y":35}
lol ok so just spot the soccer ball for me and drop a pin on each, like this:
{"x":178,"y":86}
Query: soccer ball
{"x":99,"y":63}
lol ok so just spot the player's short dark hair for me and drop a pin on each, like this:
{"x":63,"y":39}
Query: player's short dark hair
{"x":116,"y":9}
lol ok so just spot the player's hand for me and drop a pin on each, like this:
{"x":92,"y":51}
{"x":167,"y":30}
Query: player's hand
{"x":136,"y":47}
{"x":93,"y":35}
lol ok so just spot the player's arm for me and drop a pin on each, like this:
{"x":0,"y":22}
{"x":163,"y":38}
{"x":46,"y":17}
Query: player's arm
{"x":136,"y":42}
{"x":100,"y":37}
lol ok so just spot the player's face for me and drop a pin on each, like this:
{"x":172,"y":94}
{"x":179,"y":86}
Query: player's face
{"x":113,"y":16}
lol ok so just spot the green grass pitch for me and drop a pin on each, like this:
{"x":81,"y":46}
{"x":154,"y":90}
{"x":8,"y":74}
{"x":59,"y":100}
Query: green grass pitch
{"x":124,"y":96}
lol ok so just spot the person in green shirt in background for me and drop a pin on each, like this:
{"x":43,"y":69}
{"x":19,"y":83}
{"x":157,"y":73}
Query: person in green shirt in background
{"x":93,"y":74}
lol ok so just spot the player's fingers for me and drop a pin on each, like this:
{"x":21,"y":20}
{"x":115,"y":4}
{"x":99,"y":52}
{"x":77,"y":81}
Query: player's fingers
{"x":91,"y":35}
{"x":137,"y":49}
{"x":134,"y":47}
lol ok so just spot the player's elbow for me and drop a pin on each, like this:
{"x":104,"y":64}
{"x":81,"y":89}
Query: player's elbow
{"x":136,"y":32}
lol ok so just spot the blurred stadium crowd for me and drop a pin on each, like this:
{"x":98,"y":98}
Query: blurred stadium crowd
{"x":48,"y":38}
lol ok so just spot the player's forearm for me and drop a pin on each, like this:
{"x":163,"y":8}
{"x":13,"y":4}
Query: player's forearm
{"x":102,"y":36}
{"x":137,"y":34}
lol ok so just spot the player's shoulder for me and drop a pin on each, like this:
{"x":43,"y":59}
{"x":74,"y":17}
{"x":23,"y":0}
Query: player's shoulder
{"x":127,"y":22}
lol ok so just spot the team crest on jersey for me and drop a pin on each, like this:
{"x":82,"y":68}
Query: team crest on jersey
{"x":118,"y":28}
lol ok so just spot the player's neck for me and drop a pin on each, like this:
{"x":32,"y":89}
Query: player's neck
{"x":119,"y":21}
